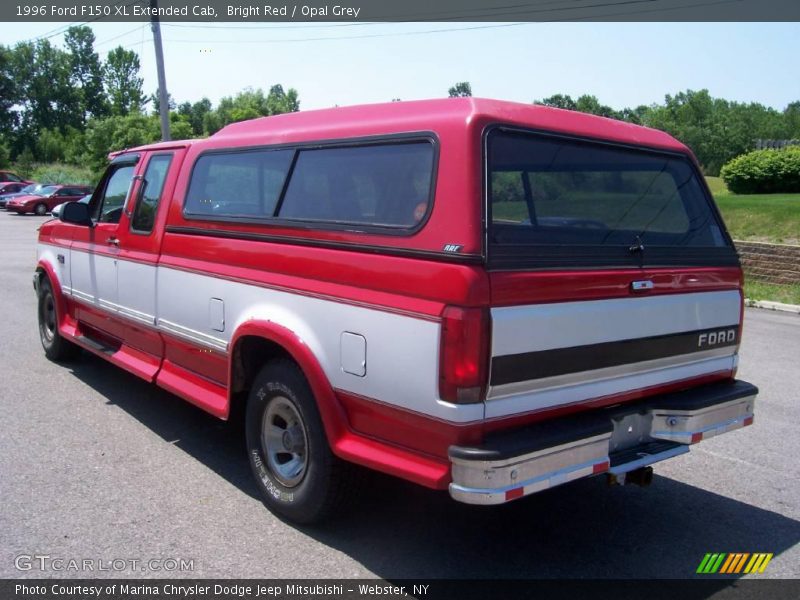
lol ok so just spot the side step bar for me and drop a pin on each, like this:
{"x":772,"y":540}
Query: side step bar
{"x":510,"y":465}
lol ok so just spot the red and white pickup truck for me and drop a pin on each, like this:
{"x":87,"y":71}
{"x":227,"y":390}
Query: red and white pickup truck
{"x":480,"y":296}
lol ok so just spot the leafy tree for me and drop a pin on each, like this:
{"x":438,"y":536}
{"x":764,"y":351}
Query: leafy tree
{"x":196,"y":113}
{"x":558,"y":101}
{"x":586,"y":103}
{"x":117,"y":133}
{"x":46,"y":98}
{"x":279,"y":102}
{"x":251,"y":104}
{"x":123,"y":84}
{"x":462,"y":89}
{"x":791,"y":116}
{"x":86,"y":71}
{"x":5,"y":155}
{"x":8,"y":92}
{"x":590,"y":104}
{"x":154,"y":98}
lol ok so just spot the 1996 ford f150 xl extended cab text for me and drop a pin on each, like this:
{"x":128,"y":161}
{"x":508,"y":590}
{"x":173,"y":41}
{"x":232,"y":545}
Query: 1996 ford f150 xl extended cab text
{"x":480,"y":296}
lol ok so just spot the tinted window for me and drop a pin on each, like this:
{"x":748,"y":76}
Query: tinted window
{"x":592,"y":203}
{"x":109,"y":209}
{"x":238,"y":184}
{"x":46,"y":191}
{"x":144,"y":214}
{"x":387,"y":185}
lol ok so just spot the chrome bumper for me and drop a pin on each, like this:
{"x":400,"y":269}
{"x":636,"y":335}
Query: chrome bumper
{"x":619,"y":440}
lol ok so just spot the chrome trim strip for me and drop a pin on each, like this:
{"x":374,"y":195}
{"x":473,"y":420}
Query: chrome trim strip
{"x":487,"y":496}
{"x":82,"y":296}
{"x":193,"y":335}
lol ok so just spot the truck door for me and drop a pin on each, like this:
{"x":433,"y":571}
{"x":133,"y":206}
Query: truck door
{"x":95,"y":250}
{"x":139,"y":238}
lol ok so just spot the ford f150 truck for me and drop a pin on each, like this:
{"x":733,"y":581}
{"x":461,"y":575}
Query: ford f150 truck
{"x":473,"y":295}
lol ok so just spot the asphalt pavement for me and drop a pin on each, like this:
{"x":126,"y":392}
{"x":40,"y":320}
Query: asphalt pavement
{"x":97,"y":465}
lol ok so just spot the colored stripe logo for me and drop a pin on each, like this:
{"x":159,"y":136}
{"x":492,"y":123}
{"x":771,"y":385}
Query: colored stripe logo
{"x":734,"y":563}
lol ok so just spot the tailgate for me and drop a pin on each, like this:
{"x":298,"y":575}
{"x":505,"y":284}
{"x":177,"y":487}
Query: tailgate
{"x":554,"y":354}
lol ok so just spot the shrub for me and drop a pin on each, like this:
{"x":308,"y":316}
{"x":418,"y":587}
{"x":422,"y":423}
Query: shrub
{"x":764,"y":172}
{"x":61,"y":173}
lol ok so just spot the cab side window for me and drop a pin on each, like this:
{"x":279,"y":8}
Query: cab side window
{"x":144,"y":215}
{"x":115,"y":192}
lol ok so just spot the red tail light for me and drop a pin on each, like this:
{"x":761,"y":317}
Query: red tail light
{"x":464,"y":355}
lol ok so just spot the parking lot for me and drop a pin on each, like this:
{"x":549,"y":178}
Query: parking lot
{"x":96,"y":464}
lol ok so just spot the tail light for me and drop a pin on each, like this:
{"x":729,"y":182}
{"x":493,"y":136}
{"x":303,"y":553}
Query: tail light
{"x":464,"y":355}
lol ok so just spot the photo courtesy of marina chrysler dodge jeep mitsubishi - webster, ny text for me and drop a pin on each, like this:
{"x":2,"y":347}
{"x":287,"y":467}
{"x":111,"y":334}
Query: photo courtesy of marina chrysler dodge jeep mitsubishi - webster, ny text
{"x":477,"y":296}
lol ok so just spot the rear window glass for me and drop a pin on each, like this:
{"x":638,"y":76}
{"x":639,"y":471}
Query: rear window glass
{"x":385,"y":185}
{"x":595,"y":200}
{"x":238,"y":184}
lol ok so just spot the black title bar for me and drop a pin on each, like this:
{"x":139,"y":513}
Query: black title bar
{"x":242,"y":11}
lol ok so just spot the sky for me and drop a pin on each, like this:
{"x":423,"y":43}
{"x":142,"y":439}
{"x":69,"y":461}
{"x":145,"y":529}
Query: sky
{"x":623,"y":64}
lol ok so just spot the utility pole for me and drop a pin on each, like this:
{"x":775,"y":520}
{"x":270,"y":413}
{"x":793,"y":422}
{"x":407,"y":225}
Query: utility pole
{"x":163,"y":97}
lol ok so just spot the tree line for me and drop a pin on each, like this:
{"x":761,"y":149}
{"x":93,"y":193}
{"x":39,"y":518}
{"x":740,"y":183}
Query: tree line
{"x":69,"y":105}
{"x":716,"y":130}
{"x":66,"y":104}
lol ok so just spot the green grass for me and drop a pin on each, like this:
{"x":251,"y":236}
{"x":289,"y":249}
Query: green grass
{"x":758,"y":217}
{"x":758,"y":290}
{"x":717,"y":185}
{"x":762,"y":218}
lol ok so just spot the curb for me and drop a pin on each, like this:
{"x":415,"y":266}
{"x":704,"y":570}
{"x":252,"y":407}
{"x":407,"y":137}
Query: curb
{"x":768,"y":305}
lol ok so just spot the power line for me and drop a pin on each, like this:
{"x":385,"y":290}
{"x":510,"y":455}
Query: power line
{"x":351,"y":37}
{"x":443,"y":16}
{"x":64,"y":28}
{"x":456,"y":29}
{"x":116,"y":37}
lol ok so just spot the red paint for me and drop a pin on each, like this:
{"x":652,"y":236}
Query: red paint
{"x":412,"y":285}
{"x":696,"y":437}
{"x":204,"y":362}
{"x":509,"y":289}
{"x":600,"y":467}
{"x":407,"y":428}
{"x":190,"y":386}
{"x":514,"y":494}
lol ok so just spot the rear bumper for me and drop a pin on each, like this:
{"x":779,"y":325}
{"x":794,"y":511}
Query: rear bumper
{"x":617,"y":440}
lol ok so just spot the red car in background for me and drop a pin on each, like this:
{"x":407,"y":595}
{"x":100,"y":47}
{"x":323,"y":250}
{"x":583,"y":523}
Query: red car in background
{"x":12,"y":188}
{"x":11,"y":177}
{"x":46,"y":199}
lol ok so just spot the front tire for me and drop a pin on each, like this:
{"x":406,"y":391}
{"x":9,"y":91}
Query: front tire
{"x":56,"y":347}
{"x":40,"y":209}
{"x":298,"y":476}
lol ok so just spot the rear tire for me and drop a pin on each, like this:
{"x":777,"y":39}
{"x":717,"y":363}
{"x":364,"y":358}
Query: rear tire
{"x":56,"y":347}
{"x":40,"y":209}
{"x":298,"y":476}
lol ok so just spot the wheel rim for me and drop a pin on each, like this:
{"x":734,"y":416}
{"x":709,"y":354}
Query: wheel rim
{"x":283,"y":437}
{"x":41,"y":209}
{"x":48,"y":317}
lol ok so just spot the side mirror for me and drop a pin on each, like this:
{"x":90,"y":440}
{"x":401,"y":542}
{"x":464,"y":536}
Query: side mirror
{"x":76,"y":213}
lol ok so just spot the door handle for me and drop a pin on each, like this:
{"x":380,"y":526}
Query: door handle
{"x":112,"y":241}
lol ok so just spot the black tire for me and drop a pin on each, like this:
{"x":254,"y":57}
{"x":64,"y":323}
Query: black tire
{"x":306,"y":483}
{"x":56,"y":348}
{"x":40,"y":209}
